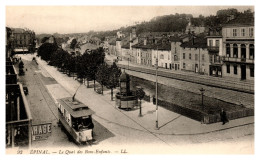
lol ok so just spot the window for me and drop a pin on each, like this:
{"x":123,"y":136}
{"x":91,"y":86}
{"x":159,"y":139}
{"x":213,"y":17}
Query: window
{"x":190,"y":56}
{"x":234,"y":32}
{"x":235,"y":51}
{"x":210,"y":43}
{"x":228,"y":68}
{"x":243,"y":32}
{"x":217,"y":43}
{"x":183,"y":55}
{"x":196,"y":57}
{"x":183,"y":65}
{"x":251,"y":51}
{"x":235,"y":69}
{"x":211,"y":58}
{"x":203,"y":57}
{"x":243,"y":51}
{"x":161,"y":56}
{"x":228,"y":50}
{"x":251,"y":32}
{"x":175,"y":58}
{"x":252,"y":72}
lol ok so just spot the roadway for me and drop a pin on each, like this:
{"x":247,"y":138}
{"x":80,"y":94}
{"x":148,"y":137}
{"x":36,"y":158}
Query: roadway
{"x":116,"y":129}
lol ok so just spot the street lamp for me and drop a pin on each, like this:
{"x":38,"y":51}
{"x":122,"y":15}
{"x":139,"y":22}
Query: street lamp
{"x":202,"y":90}
{"x":156,"y":92}
{"x":128,"y":63}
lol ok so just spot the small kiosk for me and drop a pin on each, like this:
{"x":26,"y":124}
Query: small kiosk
{"x":125,"y":99}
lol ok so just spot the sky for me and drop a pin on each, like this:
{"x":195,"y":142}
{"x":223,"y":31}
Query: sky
{"x":78,"y":19}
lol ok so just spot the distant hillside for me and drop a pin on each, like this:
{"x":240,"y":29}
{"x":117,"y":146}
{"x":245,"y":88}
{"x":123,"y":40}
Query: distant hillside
{"x":168,"y":23}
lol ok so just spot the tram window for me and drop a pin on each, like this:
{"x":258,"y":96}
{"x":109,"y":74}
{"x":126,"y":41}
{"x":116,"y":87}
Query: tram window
{"x":82,"y":123}
{"x":87,"y":122}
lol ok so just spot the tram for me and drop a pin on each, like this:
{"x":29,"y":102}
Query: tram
{"x":76,"y":118}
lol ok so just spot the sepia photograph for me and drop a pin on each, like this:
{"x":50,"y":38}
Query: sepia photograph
{"x":127,"y":80}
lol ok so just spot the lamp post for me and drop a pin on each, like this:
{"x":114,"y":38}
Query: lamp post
{"x":156,"y":92}
{"x":202,"y":90}
{"x":128,"y":63}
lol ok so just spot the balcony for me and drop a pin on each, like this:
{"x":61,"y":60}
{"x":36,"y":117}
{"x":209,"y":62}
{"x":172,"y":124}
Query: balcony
{"x":215,"y":61}
{"x":238,"y":60}
{"x":213,"y":49}
{"x":11,"y":75}
{"x":18,"y":117}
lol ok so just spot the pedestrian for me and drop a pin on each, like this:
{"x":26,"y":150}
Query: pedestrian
{"x":223,"y":116}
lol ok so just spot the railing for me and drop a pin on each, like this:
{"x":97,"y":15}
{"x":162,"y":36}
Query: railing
{"x":11,"y":75}
{"x":209,"y":81}
{"x":235,"y":59}
{"x":213,"y":48}
{"x":18,"y":117}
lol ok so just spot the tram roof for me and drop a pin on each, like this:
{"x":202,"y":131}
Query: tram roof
{"x":75,"y":108}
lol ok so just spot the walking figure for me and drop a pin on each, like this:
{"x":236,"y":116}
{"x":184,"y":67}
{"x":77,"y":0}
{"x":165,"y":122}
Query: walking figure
{"x":223,"y":116}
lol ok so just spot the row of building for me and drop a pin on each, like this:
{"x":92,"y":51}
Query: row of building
{"x":20,"y":40}
{"x":226,"y":51}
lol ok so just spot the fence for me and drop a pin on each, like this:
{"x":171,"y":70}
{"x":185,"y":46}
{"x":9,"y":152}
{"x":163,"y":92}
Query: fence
{"x":207,"y":119}
{"x":201,"y":116}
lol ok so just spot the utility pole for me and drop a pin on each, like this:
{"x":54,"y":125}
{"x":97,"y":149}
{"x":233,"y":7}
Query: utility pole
{"x":156,"y":92}
{"x":202,"y":90}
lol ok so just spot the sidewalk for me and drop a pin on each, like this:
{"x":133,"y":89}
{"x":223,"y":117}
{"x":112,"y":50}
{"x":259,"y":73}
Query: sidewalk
{"x":170,"y":123}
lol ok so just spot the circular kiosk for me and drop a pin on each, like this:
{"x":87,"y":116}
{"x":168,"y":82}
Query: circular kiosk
{"x":125,"y":99}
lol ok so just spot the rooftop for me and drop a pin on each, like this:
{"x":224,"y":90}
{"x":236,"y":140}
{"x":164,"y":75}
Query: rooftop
{"x":199,"y":42}
{"x":175,"y":39}
{"x":75,"y":108}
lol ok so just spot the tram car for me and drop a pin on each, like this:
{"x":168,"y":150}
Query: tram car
{"x":76,"y":118}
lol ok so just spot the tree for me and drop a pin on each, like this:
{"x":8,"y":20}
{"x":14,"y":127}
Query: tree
{"x":113,"y":78}
{"x":140,"y":95}
{"x":96,"y":58}
{"x":74,"y":44}
{"x":44,"y":39}
{"x":227,"y":12}
{"x":46,"y":50}
{"x":21,"y":66}
{"x":102,"y":75}
{"x":85,"y":66}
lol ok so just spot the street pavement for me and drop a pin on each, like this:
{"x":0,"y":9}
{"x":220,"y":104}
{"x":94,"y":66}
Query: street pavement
{"x":121,"y":129}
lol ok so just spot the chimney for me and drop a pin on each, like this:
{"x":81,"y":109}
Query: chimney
{"x":192,"y":38}
{"x":133,"y":32}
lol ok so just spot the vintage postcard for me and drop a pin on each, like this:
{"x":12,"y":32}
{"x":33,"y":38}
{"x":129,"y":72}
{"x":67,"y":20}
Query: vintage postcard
{"x":125,"y":80}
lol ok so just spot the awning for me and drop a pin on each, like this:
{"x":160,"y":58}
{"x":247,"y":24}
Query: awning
{"x":21,"y":50}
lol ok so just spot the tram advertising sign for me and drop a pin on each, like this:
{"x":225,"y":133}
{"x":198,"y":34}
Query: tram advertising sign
{"x":41,"y":131}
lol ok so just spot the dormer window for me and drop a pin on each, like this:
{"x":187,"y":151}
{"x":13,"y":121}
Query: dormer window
{"x":251,"y":32}
{"x":234,"y":32}
{"x":243,"y":32}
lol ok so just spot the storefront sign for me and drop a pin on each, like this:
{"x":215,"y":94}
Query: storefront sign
{"x":41,"y":131}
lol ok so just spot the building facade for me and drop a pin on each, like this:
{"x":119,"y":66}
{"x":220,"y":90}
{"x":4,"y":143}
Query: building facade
{"x":214,"y":44}
{"x":238,"y":51}
{"x":175,"y":52}
{"x":23,"y":40}
{"x":194,"y":56}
